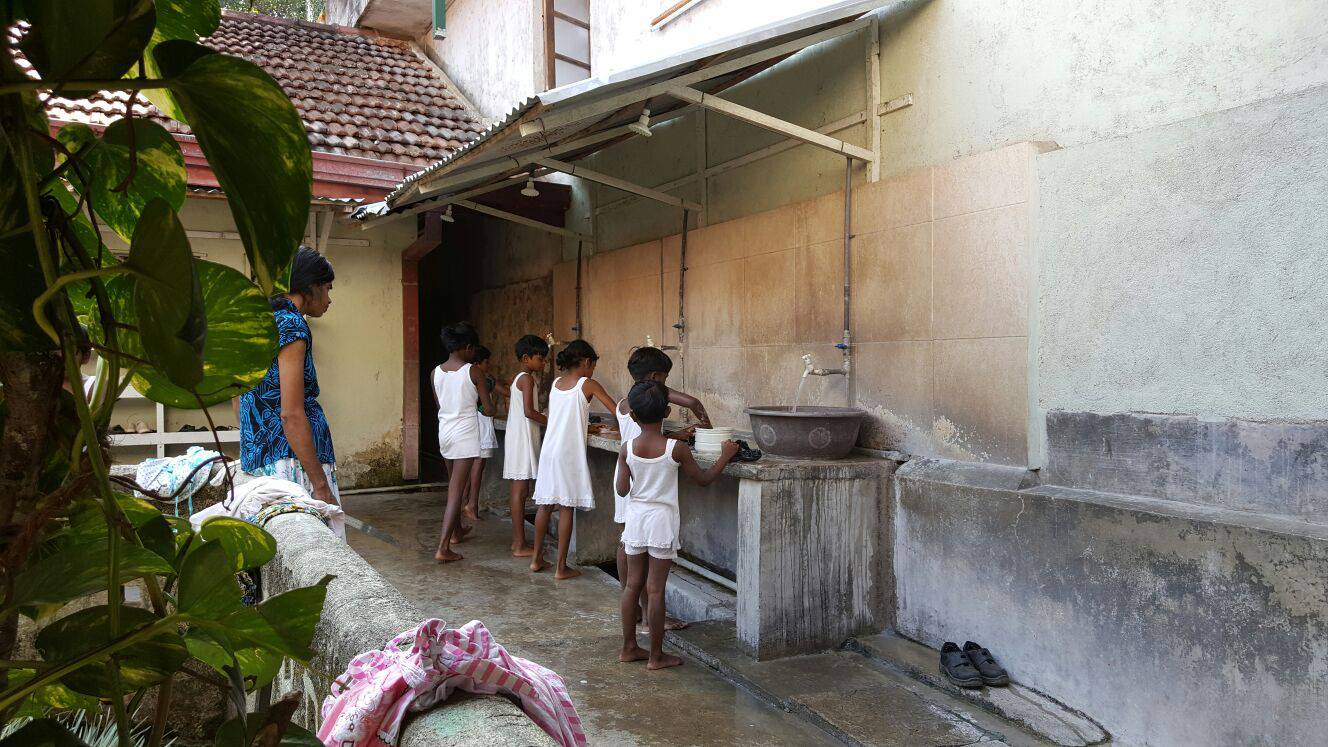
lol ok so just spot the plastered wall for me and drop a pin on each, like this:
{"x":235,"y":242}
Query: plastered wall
{"x":494,"y":51}
{"x":357,"y":347}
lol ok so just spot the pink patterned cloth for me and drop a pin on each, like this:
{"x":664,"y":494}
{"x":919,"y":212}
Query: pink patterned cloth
{"x":419,"y":669}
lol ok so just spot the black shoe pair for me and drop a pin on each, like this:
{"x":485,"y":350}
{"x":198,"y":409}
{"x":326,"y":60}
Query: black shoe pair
{"x":972,"y":666}
{"x":746,"y":453}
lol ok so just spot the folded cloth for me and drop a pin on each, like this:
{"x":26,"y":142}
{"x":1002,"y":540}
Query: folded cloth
{"x":421,"y":667}
{"x":165,"y":475}
{"x":249,"y":498}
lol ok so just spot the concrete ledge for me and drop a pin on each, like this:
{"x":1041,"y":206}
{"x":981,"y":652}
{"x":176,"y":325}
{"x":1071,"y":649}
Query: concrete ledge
{"x":362,"y":612}
{"x":1167,"y":622}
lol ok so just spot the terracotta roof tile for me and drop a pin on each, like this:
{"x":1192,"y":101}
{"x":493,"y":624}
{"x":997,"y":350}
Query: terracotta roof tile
{"x":358,"y":93}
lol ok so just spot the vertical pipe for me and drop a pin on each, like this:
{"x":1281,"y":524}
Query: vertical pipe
{"x":577,"y":328}
{"x":681,"y":326}
{"x":847,"y":343}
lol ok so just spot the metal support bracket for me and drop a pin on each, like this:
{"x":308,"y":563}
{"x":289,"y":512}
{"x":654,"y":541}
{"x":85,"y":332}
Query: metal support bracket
{"x":774,"y":124}
{"x":522,"y":220}
{"x":616,"y":183}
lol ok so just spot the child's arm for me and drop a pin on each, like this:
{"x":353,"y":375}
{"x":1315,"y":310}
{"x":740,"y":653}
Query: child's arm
{"x":482,"y":386}
{"x":595,"y":390}
{"x":687,"y":463}
{"x":623,"y":483}
{"x":682,"y":399}
{"x":527,"y":387}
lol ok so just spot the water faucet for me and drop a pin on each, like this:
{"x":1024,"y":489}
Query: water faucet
{"x":650,"y":343}
{"x":810,"y":368}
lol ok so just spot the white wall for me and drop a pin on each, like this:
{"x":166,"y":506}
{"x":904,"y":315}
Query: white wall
{"x":494,"y":51}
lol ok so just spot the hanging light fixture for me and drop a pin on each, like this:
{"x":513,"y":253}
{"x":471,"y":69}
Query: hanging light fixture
{"x":642,"y":125}
{"x":447,"y":215}
{"x":529,"y":190}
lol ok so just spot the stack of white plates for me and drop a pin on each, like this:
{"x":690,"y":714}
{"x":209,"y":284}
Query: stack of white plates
{"x":708,"y":440}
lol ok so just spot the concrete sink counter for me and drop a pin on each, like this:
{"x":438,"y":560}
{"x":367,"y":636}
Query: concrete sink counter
{"x":803,"y":539}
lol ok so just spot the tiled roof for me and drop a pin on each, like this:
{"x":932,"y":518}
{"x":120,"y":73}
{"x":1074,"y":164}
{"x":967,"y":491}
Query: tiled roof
{"x":359,"y":94}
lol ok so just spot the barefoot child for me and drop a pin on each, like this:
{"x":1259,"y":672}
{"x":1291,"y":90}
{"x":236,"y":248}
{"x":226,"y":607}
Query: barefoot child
{"x":648,"y":468}
{"x":488,"y":435}
{"x":647,"y":364}
{"x":458,"y":387}
{"x":564,"y":476}
{"x":521,"y":443}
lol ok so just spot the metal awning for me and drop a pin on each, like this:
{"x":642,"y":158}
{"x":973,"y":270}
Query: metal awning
{"x":550,"y":131}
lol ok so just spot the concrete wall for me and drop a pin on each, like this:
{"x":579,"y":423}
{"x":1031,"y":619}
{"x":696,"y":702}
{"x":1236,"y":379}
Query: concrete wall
{"x":1168,"y":624}
{"x":358,"y":354}
{"x":1177,"y":265}
{"x":494,"y":51}
{"x":940,"y":283}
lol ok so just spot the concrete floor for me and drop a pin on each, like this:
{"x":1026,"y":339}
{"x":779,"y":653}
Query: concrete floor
{"x":569,"y":626}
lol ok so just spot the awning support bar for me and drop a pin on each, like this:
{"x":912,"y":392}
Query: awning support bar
{"x":774,"y":124}
{"x":522,"y":220}
{"x":616,"y":183}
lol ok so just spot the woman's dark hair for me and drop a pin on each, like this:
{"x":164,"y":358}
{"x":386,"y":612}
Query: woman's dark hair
{"x":649,"y":401}
{"x":309,"y":268}
{"x":645,"y":361}
{"x":459,"y":336}
{"x":575,"y":352}
{"x":481,"y":354}
{"x":531,"y":345}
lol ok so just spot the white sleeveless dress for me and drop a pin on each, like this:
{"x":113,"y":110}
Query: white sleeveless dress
{"x":458,"y":413}
{"x":564,"y":475}
{"x":627,"y":430}
{"x":652,"y":504}
{"x":521,"y":443}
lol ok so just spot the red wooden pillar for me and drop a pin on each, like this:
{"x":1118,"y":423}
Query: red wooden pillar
{"x":429,"y":236}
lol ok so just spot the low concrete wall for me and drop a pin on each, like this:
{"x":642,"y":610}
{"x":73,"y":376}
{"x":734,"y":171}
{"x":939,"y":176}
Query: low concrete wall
{"x":1169,"y":623}
{"x":362,"y":612}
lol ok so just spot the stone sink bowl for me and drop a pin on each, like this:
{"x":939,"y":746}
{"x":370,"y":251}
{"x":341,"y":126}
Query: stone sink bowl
{"x":812,"y":432}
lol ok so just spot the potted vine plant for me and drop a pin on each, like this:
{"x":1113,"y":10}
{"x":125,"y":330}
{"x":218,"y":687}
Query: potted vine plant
{"x":184,"y":332}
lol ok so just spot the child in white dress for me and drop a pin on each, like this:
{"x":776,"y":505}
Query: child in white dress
{"x":648,"y":364}
{"x":563,"y":478}
{"x":488,"y":434}
{"x":647,"y":472}
{"x":521,"y":442}
{"x":458,"y":388}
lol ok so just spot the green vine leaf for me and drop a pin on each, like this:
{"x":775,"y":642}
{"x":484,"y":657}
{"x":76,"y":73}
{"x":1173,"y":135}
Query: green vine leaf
{"x":80,"y":569}
{"x":190,"y":20}
{"x":142,"y":664}
{"x":159,"y":172}
{"x":168,"y":297}
{"x":42,"y":732}
{"x":255,"y":143}
{"x":248,"y":545}
{"x":208,"y":588}
{"x":284,"y":623}
{"x":241,"y":342}
{"x":54,"y":697}
{"x":72,"y":39}
{"x":22,"y":280}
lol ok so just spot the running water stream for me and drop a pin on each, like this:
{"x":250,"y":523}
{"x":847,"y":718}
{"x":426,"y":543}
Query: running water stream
{"x":797,"y":396}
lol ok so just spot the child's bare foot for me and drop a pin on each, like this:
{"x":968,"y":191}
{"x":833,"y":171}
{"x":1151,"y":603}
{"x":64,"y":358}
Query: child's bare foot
{"x":447,"y":556}
{"x":469,"y":514}
{"x":635,"y":653}
{"x":522,"y":551}
{"x":538,"y":564}
{"x":459,"y":534}
{"x":673,"y":623}
{"x":664,"y":662}
{"x":562,"y":574}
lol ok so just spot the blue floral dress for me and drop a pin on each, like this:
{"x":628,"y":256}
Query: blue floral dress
{"x":264,"y":449}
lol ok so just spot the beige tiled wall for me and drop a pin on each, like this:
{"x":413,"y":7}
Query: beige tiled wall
{"x":940,"y":296}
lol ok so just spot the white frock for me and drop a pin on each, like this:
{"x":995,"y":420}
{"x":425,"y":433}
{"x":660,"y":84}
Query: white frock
{"x":521,"y":443}
{"x":627,"y":430}
{"x":652,"y":503}
{"x":458,"y":413}
{"x":564,"y":475}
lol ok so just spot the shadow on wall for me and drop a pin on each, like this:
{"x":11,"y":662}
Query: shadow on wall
{"x":375,"y":467}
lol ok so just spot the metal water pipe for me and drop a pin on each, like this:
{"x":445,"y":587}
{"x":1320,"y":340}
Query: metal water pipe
{"x":846,"y":345}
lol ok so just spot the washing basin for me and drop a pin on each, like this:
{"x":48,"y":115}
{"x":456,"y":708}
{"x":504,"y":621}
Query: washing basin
{"x":810,"y":432}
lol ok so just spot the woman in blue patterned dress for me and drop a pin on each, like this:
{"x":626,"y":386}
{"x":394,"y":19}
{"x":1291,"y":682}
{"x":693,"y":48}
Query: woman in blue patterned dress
{"x":283,"y":431}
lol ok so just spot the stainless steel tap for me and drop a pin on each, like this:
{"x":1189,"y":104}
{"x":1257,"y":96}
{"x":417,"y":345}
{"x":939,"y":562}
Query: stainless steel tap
{"x":810,"y":368}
